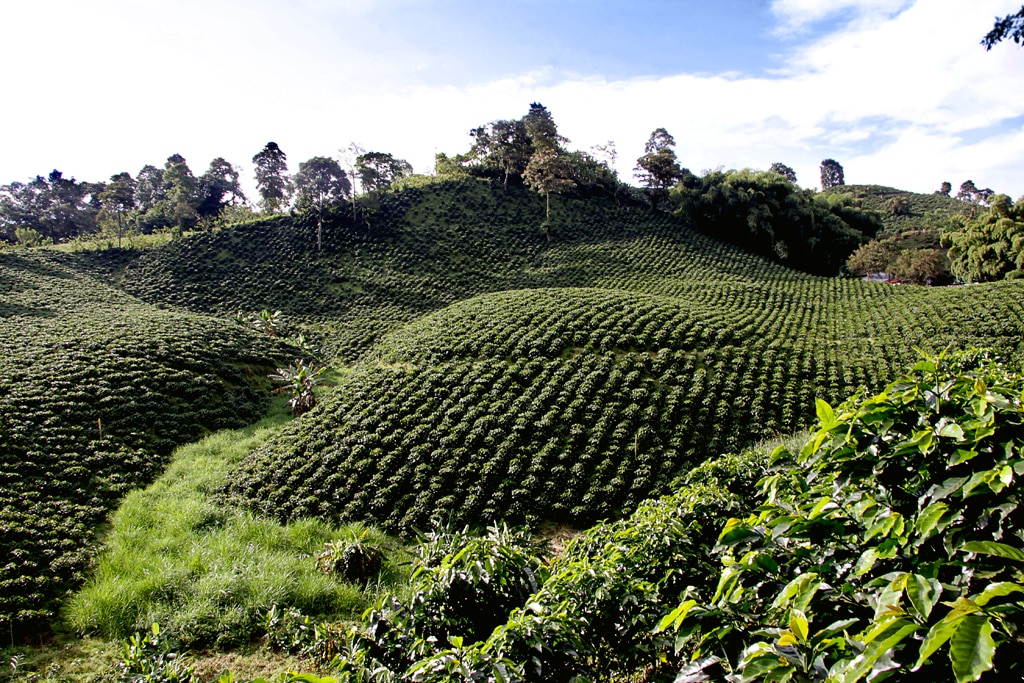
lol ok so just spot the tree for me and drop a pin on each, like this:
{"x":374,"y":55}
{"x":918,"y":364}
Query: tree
{"x":348,"y":156}
{"x":501,"y":148}
{"x":944,"y":189}
{"x":658,"y":168}
{"x":900,"y":206}
{"x":118,"y":199}
{"x":219,"y":187}
{"x":606,"y":154}
{"x":831,"y":174}
{"x":56,"y":207}
{"x":1011,"y":26}
{"x":549,"y":171}
{"x":990,"y":247}
{"x":271,"y":177}
{"x":319,"y":184}
{"x":786,"y":172}
{"x":377,"y":170}
{"x":541,"y":129}
{"x":766,"y":214}
{"x":181,"y":190}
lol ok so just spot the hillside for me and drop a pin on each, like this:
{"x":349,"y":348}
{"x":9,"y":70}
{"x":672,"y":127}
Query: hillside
{"x":496,"y":373}
{"x":914,"y":212}
{"x":95,"y":390}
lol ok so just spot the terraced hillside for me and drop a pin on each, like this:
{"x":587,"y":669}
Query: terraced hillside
{"x":95,"y":390}
{"x":423,"y":248}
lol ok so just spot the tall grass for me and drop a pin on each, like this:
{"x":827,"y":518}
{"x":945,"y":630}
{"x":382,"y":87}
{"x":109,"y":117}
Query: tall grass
{"x":178,"y":555}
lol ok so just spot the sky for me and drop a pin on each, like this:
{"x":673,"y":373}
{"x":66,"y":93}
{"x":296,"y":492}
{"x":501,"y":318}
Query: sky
{"x":900,"y":92}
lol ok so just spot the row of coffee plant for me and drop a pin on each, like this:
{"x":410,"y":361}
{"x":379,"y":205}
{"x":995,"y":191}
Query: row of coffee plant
{"x":574,"y":405}
{"x":886,"y":545}
{"x":95,"y":390}
{"x":425,"y":248}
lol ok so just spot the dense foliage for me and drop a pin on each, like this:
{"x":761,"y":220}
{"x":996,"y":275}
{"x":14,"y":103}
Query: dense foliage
{"x":95,"y":390}
{"x":765,"y":213}
{"x":891,"y":543}
{"x":990,"y":247}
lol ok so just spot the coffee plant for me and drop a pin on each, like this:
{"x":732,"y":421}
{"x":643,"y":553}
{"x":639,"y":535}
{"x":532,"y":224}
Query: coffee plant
{"x":95,"y":390}
{"x":573,"y":405}
{"x":891,"y":544}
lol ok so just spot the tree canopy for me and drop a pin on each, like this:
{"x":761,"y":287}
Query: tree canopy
{"x":831,"y":174}
{"x":1011,"y":26}
{"x":658,"y":168}
{"x":271,"y":177}
{"x":991,"y":246}
{"x":768,"y":215}
{"x":377,"y":170}
{"x":783,"y":170}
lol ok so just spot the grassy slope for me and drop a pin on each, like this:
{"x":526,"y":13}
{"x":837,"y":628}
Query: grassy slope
{"x":177,"y":556}
{"x":95,"y":390}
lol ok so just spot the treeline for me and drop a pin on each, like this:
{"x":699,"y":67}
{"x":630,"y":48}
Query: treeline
{"x":764,"y":212}
{"x":54,"y":209}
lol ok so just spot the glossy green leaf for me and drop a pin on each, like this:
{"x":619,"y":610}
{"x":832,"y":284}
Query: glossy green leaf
{"x":971,"y":648}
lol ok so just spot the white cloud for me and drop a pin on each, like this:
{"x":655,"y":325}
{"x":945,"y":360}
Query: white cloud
{"x":798,"y":15}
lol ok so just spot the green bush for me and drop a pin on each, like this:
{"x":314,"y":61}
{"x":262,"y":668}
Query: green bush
{"x":891,"y":544}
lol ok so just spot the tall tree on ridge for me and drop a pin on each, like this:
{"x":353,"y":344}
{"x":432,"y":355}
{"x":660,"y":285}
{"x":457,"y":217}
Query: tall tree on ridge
{"x":658,"y":168}
{"x":349,"y":155}
{"x":118,"y":199}
{"x":219,"y":187}
{"x":786,"y":172}
{"x":271,"y":177}
{"x":377,"y":170}
{"x":319,"y":184}
{"x":549,"y":169}
{"x":831,"y":174}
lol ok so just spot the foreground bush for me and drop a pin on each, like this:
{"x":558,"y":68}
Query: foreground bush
{"x":891,"y":544}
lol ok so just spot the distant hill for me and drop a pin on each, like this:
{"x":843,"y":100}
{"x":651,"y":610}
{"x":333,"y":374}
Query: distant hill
{"x":914,"y":211}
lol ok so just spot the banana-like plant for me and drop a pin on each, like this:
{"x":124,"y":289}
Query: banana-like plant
{"x":300,"y":378}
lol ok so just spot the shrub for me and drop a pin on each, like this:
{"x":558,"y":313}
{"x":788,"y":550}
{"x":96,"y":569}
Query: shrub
{"x":892,"y":543}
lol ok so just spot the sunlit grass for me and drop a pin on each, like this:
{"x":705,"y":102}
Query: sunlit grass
{"x":179,"y":555}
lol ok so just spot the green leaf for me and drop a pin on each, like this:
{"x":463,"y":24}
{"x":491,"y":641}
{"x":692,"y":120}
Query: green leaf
{"x":866,"y":562}
{"x":878,"y":648}
{"x":799,"y":592}
{"x":993,"y":548}
{"x":943,"y":630}
{"x":930,"y":520}
{"x":952,"y":430}
{"x":924,"y":594}
{"x":997,"y":590}
{"x":676,"y":617}
{"x":798,"y":625}
{"x":826,"y":415}
{"x":971,"y":648}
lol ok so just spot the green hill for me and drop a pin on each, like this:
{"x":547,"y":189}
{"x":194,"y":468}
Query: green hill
{"x":496,"y":373}
{"x":572,"y":405}
{"x":95,"y":390}
{"x":905,"y":212}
